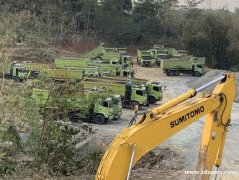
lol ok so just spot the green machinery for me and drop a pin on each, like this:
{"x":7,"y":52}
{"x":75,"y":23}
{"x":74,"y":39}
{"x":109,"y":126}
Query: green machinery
{"x":146,"y":58}
{"x":17,"y":72}
{"x":70,"y":62}
{"x":116,"y":69}
{"x":117,"y":57}
{"x":104,"y":67}
{"x":154,"y":89}
{"x":135,"y":95}
{"x":111,"y":60}
{"x":186,"y":65}
{"x":87,"y":106}
{"x":117,"y":103}
{"x":112,"y":55}
{"x":162,"y":55}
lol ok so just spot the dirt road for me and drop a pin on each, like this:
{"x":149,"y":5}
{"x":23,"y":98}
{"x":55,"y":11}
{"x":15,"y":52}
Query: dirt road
{"x":185,"y":145}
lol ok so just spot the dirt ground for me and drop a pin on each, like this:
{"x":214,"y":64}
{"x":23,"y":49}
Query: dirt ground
{"x":172,"y":158}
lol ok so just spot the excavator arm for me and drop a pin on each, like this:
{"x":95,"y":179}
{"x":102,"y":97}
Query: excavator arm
{"x":159,"y":124}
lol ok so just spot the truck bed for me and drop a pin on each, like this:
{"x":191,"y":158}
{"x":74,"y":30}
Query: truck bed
{"x":176,"y":64}
{"x":71,"y":62}
{"x":65,"y":74}
{"x":117,"y":79}
{"x":37,"y":66}
{"x":118,"y":88}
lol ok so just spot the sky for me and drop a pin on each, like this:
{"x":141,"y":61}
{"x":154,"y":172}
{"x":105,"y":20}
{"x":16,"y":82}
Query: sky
{"x":217,"y":4}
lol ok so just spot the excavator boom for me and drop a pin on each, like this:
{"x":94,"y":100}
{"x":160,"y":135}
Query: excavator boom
{"x":159,"y":124}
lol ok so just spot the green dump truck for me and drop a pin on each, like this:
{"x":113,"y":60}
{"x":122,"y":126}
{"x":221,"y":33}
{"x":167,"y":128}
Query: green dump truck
{"x":154,"y":89}
{"x":106,"y":69}
{"x":162,"y":54}
{"x":96,"y":67}
{"x":131,"y":96}
{"x":173,"y":67}
{"x":117,"y":103}
{"x":17,"y":72}
{"x":117,"y":57}
{"x":146,"y":58}
{"x":88,"y":106}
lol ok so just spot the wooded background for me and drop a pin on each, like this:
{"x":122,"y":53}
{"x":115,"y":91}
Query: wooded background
{"x":210,"y":33}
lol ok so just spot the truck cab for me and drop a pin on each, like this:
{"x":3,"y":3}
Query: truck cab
{"x":127,"y":72}
{"x":145,"y":58}
{"x":104,"y":110}
{"x":126,"y":59}
{"x":17,"y":72}
{"x":162,"y":54}
{"x":198,"y":69}
{"x":197,"y":65}
{"x":155,"y":92}
{"x":138,"y":96}
{"x":117,"y":105}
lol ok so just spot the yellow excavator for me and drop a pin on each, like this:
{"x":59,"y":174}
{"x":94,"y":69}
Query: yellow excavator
{"x":160,"y":123}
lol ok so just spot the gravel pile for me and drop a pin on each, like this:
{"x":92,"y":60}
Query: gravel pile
{"x":165,"y":159}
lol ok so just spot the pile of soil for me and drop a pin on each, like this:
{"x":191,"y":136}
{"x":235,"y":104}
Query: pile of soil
{"x":164,"y":159}
{"x":209,"y":76}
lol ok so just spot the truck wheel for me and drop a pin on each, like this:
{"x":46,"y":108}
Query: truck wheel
{"x":177,"y":73}
{"x":152,"y":100}
{"x":116,"y":119}
{"x":197,"y":74}
{"x":17,"y":79}
{"x":100,"y":119}
{"x":171,"y":73}
{"x":73,"y":117}
{"x":133,"y":104}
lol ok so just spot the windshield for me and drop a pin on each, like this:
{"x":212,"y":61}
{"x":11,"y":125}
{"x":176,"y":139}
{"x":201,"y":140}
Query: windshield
{"x":146,"y":57}
{"x":199,"y":66}
{"x":22,"y":70}
{"x":140,"y":92}
{"x":107,"y":104}
{"x":156,"y":88}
